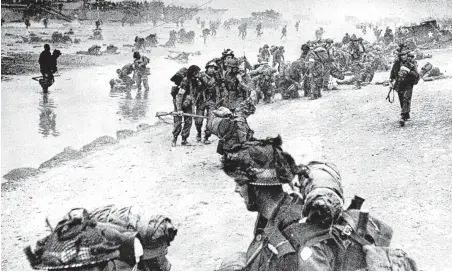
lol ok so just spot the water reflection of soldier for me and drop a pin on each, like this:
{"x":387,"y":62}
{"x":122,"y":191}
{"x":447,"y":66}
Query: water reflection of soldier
{"x":47,"y":118}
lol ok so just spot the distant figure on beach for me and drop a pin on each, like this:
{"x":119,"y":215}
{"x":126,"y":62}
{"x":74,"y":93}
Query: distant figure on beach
{"x":27,"y":23}
{"x":45,"y":22}
{"x":98,"y":24}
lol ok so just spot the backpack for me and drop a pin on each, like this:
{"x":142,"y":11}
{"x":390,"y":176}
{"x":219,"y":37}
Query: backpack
{"x":78,"y":241}
{"x":353,"y":249}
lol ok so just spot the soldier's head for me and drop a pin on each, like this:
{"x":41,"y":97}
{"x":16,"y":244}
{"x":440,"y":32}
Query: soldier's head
{"x":227,"y":55}
{"x":211,"y":67}
{"x":136,"y":55}
{"x":233,"y":66}
{"x":155,"y":236}
{"x":305,"y":48}
{"x":260,"y":171}
{"x":47,"y":47}
{"x":193,"y":71}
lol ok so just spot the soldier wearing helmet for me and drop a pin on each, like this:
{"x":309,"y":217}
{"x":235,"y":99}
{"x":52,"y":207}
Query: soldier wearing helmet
{"x":259,"y":172}
{"x":237,"y":90}
{"x":356,"y":51}
{"x":278,"y":57}
{"x":265,"y":84}
{"x":184,"y":103}
{"x":328,"y":63}
{"x":208,"y":97}
{"x":404,"y":75}
{"x":265,"y":54}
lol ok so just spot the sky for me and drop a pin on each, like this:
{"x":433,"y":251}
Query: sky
{"x":409,"y":10}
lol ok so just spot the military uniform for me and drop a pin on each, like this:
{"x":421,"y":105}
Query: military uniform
{"x":236,"y":89}
{"x":184,"y":102}
{"x":206,"y":99}
{"x":141,"y":72}
{"x":270,"y":250}
{"x":356,"y":51}
{"x":315,"y":76}
{"x":404,"y":74}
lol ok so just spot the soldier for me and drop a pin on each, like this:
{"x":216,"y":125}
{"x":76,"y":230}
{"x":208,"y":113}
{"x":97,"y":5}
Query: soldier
{"x":403,"y":77}
{"x":234,"y":84}
{"x":184,"y":103}
{"x":297,"y":25}
{"x":259,"y":172}
{"x":326,"y":238}
{"x":259,"y":30}
{"x":304,"y":69}
{"x":207,"y":98}
{"x":141,"y":71}
{"x":388,"y":36}
{"x":123,"y":75}
{"x":284,"y":32}
{"x":45,"y":22}
{"x":278,"y":57}
{"x":314,"y":76}
{"x":346,"y":39}
{"x":430,"y":73}
{"x":265,"y":85}
{"x":328,"y":63}
{"x":205,"y":34}
{"x":27,"y":23}
{"x":265,"y":54}
{"x":356,"y":51}
{"x":107,"y":239}
{"x":319,"y":33}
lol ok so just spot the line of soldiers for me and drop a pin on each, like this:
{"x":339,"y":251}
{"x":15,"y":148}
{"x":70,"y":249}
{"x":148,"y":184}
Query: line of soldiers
{"x":223,"y":83}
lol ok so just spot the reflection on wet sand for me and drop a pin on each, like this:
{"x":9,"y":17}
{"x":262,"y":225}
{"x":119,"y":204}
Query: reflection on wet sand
{"x":130,"y":108}
{"x":47,"y":116}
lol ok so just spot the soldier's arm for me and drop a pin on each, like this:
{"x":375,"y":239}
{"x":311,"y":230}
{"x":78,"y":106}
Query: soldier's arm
{"x":242,"y":130}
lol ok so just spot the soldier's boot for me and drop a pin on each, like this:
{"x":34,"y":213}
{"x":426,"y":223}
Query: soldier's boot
{"x":185,"y":142}
{"x":198,"y":137}
{"x":206,"y":141}
{"x":174,"y":142}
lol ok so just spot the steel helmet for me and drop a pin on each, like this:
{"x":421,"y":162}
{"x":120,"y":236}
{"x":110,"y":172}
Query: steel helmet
{"x":212,"y":64}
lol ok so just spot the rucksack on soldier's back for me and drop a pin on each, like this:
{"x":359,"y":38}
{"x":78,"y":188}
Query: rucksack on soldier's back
{"x":361,"y":242}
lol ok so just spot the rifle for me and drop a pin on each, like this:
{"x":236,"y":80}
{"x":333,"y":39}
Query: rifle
{"x":388,"y":97}
{"x":173,"y":113}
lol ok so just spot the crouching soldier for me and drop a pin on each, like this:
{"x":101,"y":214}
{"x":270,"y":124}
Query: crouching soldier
{"x":109,"y":239}
{"x":125,"y":81}
{"x":430,"y":73}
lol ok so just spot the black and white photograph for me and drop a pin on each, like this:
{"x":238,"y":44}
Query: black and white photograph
{"x":226,"y":135}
